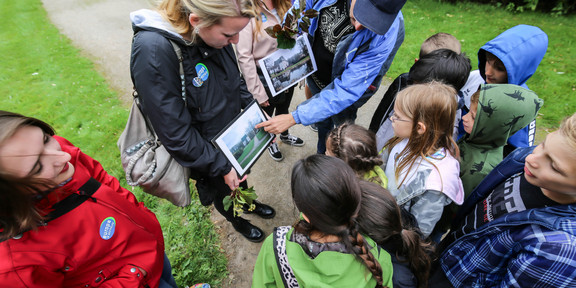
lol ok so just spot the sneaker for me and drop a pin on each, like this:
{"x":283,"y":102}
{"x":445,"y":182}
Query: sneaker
{"x":199,"y":285}
{"x":313,"y":127}
{"x":292,"y":140}
{"x":275,"y":152}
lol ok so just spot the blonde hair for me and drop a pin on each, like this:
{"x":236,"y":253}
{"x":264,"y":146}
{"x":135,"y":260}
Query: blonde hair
{"x":568,"y":130}
{"x":440,"y":41}
{"x":177,"y":12}
{"x":434,"y":105}
{"x":281,"y":6}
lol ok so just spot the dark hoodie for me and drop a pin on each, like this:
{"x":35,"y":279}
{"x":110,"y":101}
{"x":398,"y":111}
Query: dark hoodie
{"x":502,"y":110}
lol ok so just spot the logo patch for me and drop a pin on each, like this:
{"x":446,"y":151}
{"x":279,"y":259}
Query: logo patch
{"x":264,"y":18}
{"x":107,"y":228}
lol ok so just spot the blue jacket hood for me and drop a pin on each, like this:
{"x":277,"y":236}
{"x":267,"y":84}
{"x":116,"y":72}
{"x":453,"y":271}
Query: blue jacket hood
{"x":521,"y":49}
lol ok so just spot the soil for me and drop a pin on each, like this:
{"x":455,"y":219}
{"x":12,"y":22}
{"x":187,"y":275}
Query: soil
{"x":101,"y":29}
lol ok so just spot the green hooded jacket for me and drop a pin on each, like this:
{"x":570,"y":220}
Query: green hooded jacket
{"x":502,"y":110}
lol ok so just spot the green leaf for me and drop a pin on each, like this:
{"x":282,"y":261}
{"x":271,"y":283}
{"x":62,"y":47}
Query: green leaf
{"x":227,"y":201}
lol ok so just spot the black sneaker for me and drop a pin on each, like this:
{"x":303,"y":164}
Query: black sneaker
{"x":275,"y":152}
{"x":313,"y":127}
{"x":292,"y":140}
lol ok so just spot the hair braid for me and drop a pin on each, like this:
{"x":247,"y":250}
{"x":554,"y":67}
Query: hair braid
{"x":361,"y":249}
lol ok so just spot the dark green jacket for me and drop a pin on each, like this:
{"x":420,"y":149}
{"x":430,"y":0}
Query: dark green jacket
{"x":502,"y":110}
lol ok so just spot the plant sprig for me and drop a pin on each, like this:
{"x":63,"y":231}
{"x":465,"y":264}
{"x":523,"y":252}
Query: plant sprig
{"x":297,"y":21}
{"x":239,"y":198}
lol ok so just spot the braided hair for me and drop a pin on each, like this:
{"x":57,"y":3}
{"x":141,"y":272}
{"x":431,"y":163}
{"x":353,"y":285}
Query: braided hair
{"x":326,"y":190}
{"x":355,"y":145}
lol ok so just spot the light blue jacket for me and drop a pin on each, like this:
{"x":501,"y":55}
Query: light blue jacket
{"x":358,"y":63}
{"x":521,"y":49}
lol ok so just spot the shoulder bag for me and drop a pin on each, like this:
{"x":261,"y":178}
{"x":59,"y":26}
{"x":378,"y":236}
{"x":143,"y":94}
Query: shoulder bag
{"x":145,"y":160}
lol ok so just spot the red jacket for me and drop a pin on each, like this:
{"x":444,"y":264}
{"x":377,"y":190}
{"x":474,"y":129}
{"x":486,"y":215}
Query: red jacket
{"x":72,"y":250}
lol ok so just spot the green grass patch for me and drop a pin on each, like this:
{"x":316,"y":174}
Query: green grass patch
{"x":475,"y":24}
{"x":42,"y":75}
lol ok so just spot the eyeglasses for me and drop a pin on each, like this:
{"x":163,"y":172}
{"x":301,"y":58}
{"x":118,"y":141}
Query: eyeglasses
{"x":395,"y":118}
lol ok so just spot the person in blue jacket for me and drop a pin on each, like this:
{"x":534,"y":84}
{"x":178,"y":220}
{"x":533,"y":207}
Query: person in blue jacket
{"x":510,"y":58}
{"x":518,"y":228}
{"x":351,"y":61}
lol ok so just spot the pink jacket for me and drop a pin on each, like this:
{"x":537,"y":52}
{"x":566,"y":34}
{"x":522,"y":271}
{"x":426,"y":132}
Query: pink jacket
{"x":250,"y":50}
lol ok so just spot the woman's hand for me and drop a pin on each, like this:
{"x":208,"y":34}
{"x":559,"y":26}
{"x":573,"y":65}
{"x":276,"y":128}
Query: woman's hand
{"x":231,"y":179}
{"x":278,"y":124}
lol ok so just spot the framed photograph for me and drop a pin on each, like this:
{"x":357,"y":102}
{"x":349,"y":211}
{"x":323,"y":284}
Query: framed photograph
{"x":241,"y":142}
{"x":286,"y":67}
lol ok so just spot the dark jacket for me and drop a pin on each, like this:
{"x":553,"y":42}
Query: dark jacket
{"x":215,"y":92}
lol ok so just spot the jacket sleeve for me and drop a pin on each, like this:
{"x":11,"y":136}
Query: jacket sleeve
{"x":427,"y":209}
{"x":248,"y":64}
{"x":155,"y":72}
{"x":265,"y":268}
{"x":129,"y":276}
{"x":358,"y":75}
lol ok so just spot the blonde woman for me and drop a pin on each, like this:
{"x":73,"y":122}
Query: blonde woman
{"x":214,"y":90}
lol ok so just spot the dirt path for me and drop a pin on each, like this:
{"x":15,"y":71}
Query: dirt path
{"x":101,"y":29}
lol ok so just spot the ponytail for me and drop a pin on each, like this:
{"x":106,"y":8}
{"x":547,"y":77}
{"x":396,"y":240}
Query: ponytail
{"x":417,"y":253}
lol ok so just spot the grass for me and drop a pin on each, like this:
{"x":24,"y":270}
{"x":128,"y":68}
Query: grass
{"x":474,"y":25}
{"x":42,"y":75}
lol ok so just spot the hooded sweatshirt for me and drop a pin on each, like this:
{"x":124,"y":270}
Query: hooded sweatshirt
{"x":502,"y":110}
{"x":521,"y":49}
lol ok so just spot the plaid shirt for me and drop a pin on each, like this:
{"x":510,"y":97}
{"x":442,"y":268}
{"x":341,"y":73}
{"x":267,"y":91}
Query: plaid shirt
{"x":533,"y":248}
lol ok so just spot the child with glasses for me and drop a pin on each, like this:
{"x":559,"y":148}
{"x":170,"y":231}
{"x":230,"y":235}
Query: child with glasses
{"x":421,"y":159}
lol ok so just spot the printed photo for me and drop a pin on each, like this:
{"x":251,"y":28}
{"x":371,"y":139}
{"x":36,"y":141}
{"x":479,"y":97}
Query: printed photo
{"x":286,"y":67}
{"x":241,"y":142}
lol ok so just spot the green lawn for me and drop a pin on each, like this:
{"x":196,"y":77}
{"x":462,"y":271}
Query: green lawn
{"x":43,"y":75}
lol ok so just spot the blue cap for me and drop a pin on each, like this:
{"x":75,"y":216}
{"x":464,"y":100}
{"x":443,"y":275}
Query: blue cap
{"x":377,"y":15}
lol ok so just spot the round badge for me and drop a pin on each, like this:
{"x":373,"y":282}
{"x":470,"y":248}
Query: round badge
{"x":202,"y":72}
{"x":197,"y":82}
{"x":107,"y":228}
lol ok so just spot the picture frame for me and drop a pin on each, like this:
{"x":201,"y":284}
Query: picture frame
{"x":286,"y":67}
{"x":241,"y":142}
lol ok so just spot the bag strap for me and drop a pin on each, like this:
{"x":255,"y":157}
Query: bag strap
{"x":284,"y":268}
{"x":69,"y":203}
{"x":178,"y":51}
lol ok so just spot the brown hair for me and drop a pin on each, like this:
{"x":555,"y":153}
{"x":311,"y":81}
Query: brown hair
{"x":475,"y":98}
{"x":327,"y":191}
{"x":380,"y":219}
{"x":355,"y":145}
{"x":433,"y":104}
{"x":440,"y":41}
{"x":18,"y":211}
{"x":281,"y":6}
{"x":177,"y":12}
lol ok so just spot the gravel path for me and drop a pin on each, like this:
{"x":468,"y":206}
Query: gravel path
{"x":101,"y":29}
